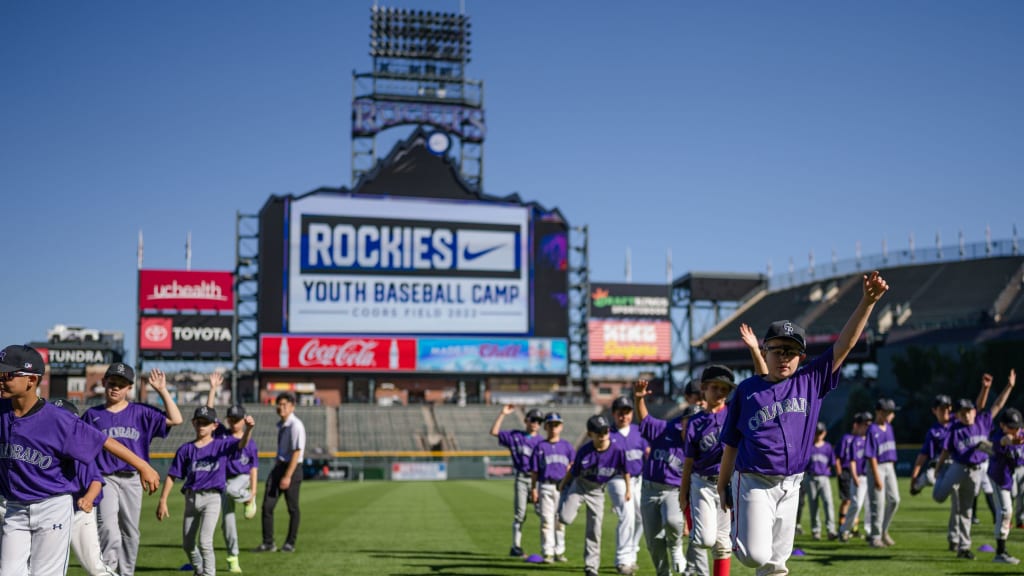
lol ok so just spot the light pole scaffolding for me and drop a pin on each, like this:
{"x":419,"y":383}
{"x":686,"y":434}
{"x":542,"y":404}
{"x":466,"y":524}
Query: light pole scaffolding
{"x":579,"y":307}
{"x":245,"y":346}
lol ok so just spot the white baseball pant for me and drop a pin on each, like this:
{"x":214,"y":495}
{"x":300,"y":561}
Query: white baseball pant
{"x":631,"y":526}
{"x":85,"y":542}
{"x":592,"y":494}
{"x":663,"y":526}
{"x":1004,"y":511}
{"x":764,"y":520}
{"x":552,"y":532}
{"x":712,"y":526}
{"x":238,"y":491}
{"x":40,"y":530}
{"x":884,"y":501}
{"x":965,"y":481}
{"x":202,"y":510}
{"x":519,"y":505}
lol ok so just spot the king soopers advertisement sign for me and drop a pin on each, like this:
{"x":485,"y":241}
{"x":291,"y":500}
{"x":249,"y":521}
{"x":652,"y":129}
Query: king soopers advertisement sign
{"x":407,"y":266}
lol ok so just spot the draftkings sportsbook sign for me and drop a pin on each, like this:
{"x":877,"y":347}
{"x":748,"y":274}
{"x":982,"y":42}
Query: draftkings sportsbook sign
{"x":403,"y":265}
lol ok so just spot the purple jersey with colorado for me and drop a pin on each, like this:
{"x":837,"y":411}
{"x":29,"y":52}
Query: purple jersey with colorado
{"x":135,"y":427}
{"x":1004,"y":460}
{"x":963,"y":440}
{"x":204,"y":468}
{"x":823,"y":460}
{"x":665,"y":463}
{"x":701,"y":442}
{"x":772,"y":424}
{"x":881,"y":443}
{"x":32,"y":447}
{"x":852,"y":450}
{"x":520,"y":446}
{"x":552,"y":459}
{"x":599,"y":467}
{"x":85,"y":474}
{"x":243,"y":461}
{"x":935,"y":441}
{"x":635,"y":446}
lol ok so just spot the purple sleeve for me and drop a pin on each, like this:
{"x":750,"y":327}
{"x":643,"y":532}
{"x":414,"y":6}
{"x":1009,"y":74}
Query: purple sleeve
{"x":177,"y":469}
{"x":505,"y":438}
{"x":228,"y":446}
{"x":83,"y":442}
{"x":651,"y":427}
{"x":156,"y":422}
{"x":730,"y":435}
{"x":254,"y":454}
{"x":871,"y":443}
{"x":535,"y":457}
{"x":690,"y":448}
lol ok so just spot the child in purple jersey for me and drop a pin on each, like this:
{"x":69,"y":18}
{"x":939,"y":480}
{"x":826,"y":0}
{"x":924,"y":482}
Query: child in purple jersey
{"x":36,"y":438}
{"x":851,"y":461}
{"x":550,"y":461}
{"x":520,"y":445}
{"x":597,"y":462}
{"x":819,"y":484}
{"x":631,"y":527}
{"x":663,"y":517}
{"x":135,"y":425}
{"x":702,"y":455}
{"x":242,"y":473}
{"x":203,"y":464}
{"x":1007,"y":447}
{"x":769,"y":430}
{"x":923,"y":473}
{"x":967,"y":444}
{"x":883,"y":491}
{"x":85,"y":540}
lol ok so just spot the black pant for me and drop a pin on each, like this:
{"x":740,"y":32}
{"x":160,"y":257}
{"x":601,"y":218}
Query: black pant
{"x":291,"y":497}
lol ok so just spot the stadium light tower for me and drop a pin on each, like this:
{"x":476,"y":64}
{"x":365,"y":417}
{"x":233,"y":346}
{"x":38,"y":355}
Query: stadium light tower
{"x":419,"y":78}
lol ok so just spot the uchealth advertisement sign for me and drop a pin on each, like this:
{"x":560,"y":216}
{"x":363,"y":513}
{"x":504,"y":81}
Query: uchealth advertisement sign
{"x":648,"y":301}
{"x":397,"y":265}
{"x":189,"y":334}
{"x":493,"y":355}
{"x":628,"y":341}
{"x":186,"y":290}
{"x":336,"y":354}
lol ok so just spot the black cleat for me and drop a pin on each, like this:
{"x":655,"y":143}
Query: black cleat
{"x":265,"y":548}
{"x":516,"y":552}
{"x":965,"y":554}
{"x":288,"y":547}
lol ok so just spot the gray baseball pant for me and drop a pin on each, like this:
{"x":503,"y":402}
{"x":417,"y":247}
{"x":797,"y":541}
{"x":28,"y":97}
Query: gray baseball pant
{"x":592,"y":494}
{"x":552,"y":532}
{"x":1018,"y":494}
{"x":520,"y":503}
{"x":1004,"y":510}
{"x":202,"y":509}
{"x":819,"y":492}
{"x":630,"y":528}
{"x":238,"y":491}
{"x":964,"y":481}
{"x":39,"y":532}
{"x":883,"y":502}
{"x":858,"y":494}
{"x":118,"y":522}
{"x":663,"y":526}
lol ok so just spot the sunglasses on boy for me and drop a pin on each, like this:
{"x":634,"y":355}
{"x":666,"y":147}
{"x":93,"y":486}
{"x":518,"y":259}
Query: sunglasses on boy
{"x":8,"y":376}
{"x":785,"y":351}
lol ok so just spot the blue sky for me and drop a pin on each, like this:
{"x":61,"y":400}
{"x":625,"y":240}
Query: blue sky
{"x":734,"y":133}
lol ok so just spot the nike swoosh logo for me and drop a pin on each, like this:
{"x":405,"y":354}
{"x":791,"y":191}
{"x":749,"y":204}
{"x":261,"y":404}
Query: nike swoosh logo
{"x":468,"y":255}
{"x":749,"y":396}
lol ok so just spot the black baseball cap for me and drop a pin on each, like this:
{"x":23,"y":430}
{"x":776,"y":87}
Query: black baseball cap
{"x":535,"y":415}
{"x":964,"y":404}
{"x":553,"y":418}
{"x":622,"y":402}
{"x":19,"y":358}
{"x":692,"y":388}
{"x":205,"y":413}
{"x":1012,"y":418}
{"x":821,"y":427}
{"x":786,"y":329}
{"x":65,"y":404}
{"x":598,"y":424}
{"x":863,"y":418}
{"x":887,"y":404}
{"x":236,"y":411}
{"x":718,"y":373}
{"x":942,"y":400}
{"x":120,"y":370}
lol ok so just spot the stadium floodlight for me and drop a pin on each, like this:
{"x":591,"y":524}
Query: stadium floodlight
{"x":419,"y":35}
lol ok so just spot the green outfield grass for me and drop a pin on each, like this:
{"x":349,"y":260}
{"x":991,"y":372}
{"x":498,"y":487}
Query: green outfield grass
{"x":462,"y":528}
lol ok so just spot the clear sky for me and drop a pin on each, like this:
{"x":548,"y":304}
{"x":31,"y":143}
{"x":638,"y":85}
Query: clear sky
{"x":734,"y":133}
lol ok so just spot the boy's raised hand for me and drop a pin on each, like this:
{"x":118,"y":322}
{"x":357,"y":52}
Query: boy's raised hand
{"x":874,"y":286}
{"x":640,"y":388}
{"x":748,"y":336}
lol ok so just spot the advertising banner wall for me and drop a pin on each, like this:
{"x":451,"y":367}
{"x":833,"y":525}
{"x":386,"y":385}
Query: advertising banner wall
{"x":624,"y":341}
{"x":73,"y":361}
{"x":186,"y":290}
{"x":167,"y":335}
{"x":647,"y":301}
{"x":336,"y":354}
{"x":419,"y":471}
{"x":493,"y":355}
{"x":407,"y":266}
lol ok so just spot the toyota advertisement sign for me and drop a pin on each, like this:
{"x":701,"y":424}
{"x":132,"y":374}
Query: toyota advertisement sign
{"x":386,"y":265}
{"x":186,"y":290}
{"x":178,"y":335}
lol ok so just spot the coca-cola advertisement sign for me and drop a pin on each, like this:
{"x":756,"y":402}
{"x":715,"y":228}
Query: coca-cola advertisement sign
{"x":334,"y":354}
{"x":186,"y":290}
